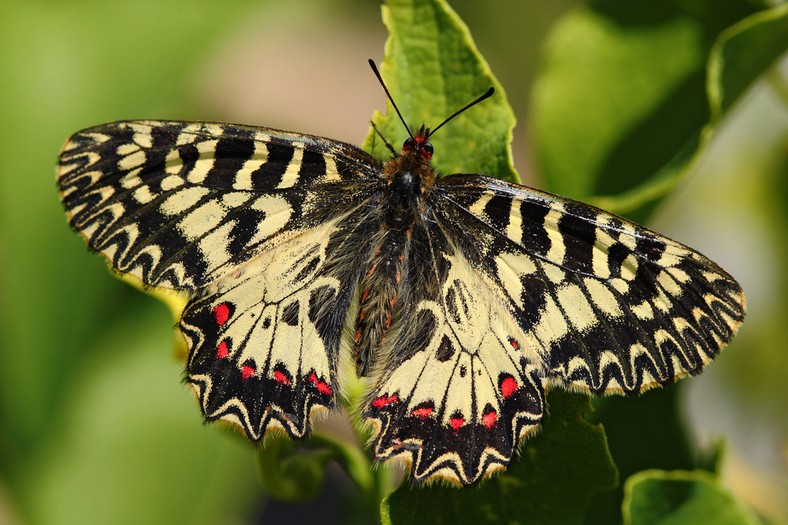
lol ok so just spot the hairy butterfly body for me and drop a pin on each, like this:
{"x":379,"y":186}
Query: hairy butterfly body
{"x":465,"y":296}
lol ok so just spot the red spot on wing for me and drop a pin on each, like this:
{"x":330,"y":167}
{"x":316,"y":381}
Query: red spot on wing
{"x":280,"y":377}
{"x":456,"y":422}
{"x":222,"y":350}
{"x":222,"y":313}
{"x":422,"y":412}
{"x":322,"y":387}
{"x":490,"y":418}
{"x":384,"y":400}
{"x":514,"y":343}
{"x":508,"y":387}
{"x":247,"y":371}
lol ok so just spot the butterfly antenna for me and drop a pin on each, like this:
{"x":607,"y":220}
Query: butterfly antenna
{"x":391,"y":99}
{"x":386,"y":142}
{"x":487,"y":94}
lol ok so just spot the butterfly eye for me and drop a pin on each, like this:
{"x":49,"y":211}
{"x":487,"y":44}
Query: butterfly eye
{"x":409,"y":144}
{"x":426,"y":150}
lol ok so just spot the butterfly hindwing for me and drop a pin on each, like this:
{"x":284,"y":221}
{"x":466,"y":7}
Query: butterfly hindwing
{"x":179,"y":204}
{"x":458,"y":392}
{"x":609,"y":305}
{"x":264,"y":340}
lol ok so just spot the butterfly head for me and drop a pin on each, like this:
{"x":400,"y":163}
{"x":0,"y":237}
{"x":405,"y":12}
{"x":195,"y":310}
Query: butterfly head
{"x":419,"y":144}
{"x":411,"y":173}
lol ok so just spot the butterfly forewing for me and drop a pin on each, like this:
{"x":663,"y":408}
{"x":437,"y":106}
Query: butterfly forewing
{"x":179,"y":204}
{"x":609,"y":305}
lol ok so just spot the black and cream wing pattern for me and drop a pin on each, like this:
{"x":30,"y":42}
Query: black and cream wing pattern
{"x":462,"y":297}
{"x":238,"y":218}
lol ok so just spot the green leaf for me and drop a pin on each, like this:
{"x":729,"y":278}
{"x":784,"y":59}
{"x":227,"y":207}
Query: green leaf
{"x":294,"y":471}
{"x":287,"y":475}
{"x":432,"y":68}
{"x":658,"y":497}
{"x":620,"y":104}
{"x":642,"y":433}
{"x":557,"y":473}
{"x":742,"y":53}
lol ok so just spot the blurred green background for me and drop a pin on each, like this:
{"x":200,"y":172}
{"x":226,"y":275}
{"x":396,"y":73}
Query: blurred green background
{"x":95,"y":424}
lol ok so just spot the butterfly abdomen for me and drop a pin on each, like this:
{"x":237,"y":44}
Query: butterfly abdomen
{"x":380,"y":298}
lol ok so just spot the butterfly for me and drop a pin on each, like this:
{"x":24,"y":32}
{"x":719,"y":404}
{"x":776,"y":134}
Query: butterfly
{"x":462,"y":297}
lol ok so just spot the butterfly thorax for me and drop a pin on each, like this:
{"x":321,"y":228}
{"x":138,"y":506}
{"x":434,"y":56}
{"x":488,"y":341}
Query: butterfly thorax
{"x":409,"y":179}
